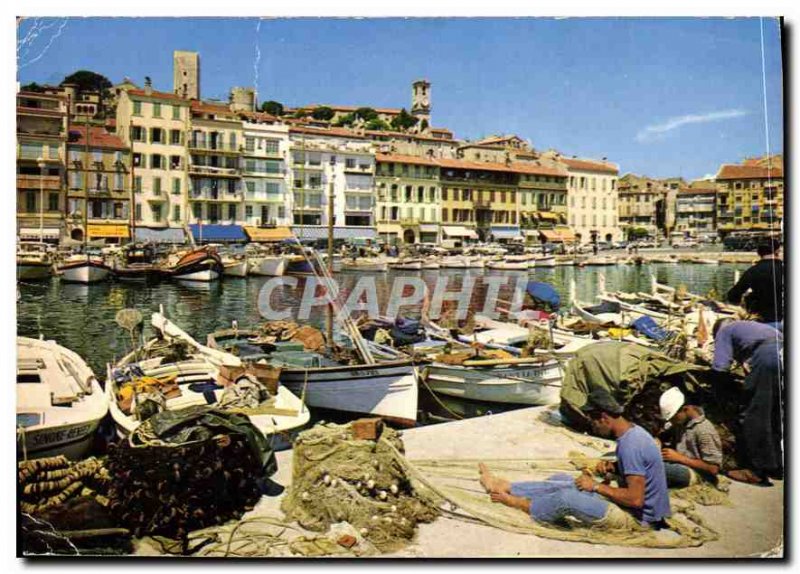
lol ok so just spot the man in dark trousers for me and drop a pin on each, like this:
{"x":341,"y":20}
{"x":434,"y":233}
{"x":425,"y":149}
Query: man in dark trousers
{"x":765,"y":282}
{"x":759,"y":348}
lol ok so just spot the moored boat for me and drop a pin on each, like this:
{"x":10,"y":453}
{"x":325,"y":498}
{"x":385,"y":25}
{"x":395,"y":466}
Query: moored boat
{"x":34,"y":262}
{"x":84,"y":269}
{"x":365,"y":264}
{"x":269,"y":265}
{"x":200,"y":264}
{"x":546,"y":261}
{"x":407,"y":264}
{"x":59,"y":401}
{"x":506,"y":265}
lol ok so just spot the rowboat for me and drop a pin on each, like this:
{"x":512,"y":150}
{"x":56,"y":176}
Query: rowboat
{"x":475,"y":263}
{"x":198,"y":379}
{"x":599,"y":261}
{"x":201,"y":264}
{"x":387,"y":389}
{"x":59,"y":401}
{"x":84,"y":269}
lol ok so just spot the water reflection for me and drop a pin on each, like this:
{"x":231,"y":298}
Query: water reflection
{"x":81,"y":317}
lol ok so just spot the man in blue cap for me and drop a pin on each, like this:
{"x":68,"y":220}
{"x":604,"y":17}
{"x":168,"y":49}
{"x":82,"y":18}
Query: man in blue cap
{"x":642,"y":488}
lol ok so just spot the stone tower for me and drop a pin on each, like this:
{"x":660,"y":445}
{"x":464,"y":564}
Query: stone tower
{"x":243,"y":99}
{"x":421,"y":101}
{"x":186,"y":74}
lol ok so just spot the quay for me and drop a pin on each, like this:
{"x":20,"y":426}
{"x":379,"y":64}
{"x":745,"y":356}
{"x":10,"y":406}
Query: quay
{"x":752,"y":526}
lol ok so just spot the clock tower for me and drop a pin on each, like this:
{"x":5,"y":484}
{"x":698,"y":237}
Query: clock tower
{"x":421,"y":101}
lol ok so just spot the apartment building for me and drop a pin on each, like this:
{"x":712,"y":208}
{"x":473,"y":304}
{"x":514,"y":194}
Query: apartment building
{"x":337,"y":161}
{"x":695,"y":209}
{"x":592,"y":198}
{"x":42,"y":126}
{"x":408,"y":199}
{"x":638,"y":197}
{"x":98,"y":185}
{"x":154,"y":125}
{"x":215,"y":143}
{"x":264,"y":171}
{"x":750,"y":195}
{"x":543,"y":201}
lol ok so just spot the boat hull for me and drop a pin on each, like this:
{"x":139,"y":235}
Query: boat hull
{"x":269,"y":266}
{"x":235,"y":269}
{"x":204,"y":270}
{"x":378,"y":267}
{"x":519,"y":385}
{"x":34,"y":271}
{"x":299,"y":267}
{"x":410,"y":266}
{"x":73,"y":441}
{"x":85,"y":272}
{"x":387,"y":390}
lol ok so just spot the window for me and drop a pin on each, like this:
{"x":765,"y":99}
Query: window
{"x":157,"y":136}
{"x":52,"y":202}
{"x":156,"y":110}
{"x":594,"y":203}
{"x":176,"y":213}
{"x":157,"y":161}
{"x":314,"y":158}
{"x":444,"y":194}
{"x":444,"y":214}
{"x":248,"y":211}
{"x":249,"y":144}
{"x":119,"y":181}
{"x":137,"y":184}
{"x":272,"y":146}
{"x":176,"y":186}
{"x":232,"y":140}
{"x":583,"y":203}
{"x":232,"y":211}
{"x":175,"y":137}
{"x":137,"y":111}
{"x":350,"y":163}
{"x":174,"y":162}
{"x":272,"y":188}
{"x":138,"y":133}
{"x":197,"y":210}
{"x":613,"y":184}
{"x":138,"y":212}
{"x":138,"y":160}
{"x":156,"y":186}
{"x":176,"y":112}
{"x":156,"y":210}
{"x":75,"y":180}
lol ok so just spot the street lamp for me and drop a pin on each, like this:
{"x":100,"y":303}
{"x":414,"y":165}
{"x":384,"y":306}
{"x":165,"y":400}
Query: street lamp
{"x":40,"y":162}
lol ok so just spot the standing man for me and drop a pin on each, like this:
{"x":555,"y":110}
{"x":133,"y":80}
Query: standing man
{"x":642,"y":489}
{"x":759,"y":348}
{"x":698,"y":448}
{"x":765,"y":281}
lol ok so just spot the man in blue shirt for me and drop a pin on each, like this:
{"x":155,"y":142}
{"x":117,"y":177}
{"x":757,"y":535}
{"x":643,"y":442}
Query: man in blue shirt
{"x":759,"y":349}
{"x":642,"y":486}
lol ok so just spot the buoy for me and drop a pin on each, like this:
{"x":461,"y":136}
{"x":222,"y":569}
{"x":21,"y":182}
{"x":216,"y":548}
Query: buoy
{"x":370,"y":484}
{"x":326,"y":479}
{"x":382,"y":494}
{"x":394,"y":489}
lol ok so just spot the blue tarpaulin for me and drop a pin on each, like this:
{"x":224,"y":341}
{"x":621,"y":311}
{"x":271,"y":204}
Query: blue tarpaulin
{"x":648,"y":327}
{"x":544,"y":293}
{"x":216,"y":233}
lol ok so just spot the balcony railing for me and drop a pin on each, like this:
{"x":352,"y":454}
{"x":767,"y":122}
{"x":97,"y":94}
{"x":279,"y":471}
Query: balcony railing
{"x":214,"y":146}
{"x":359,"y":168}
{"x":45,"y":153}
{"x":48,"y":182}
{"x":263,"y":196}
{"x":212,"y":170}
{"x":214,"y":196}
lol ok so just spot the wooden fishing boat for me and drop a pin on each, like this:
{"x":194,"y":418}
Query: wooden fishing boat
{"x":198,"y":379}
{"x":365,"y":264}
{"x":234,"y":265}
{"x":200,"y":264}
{"x":591,"y":314}
{"x":268,"y":265}
{"x":453,"y":263}
{"x":407,"y":264}
{"x":431,"y":263}
{"x":506,"y":265}
{"x":136,"y":262}
{"x":59,"y":401}
{"x":705,"y":261}
{"x":475,"y":263}
{"x":34,"y":262}
{"x":84,"y":269}
{"x":387,"y":388}
{"x":547,"y":261}
{"x":599,"y":261}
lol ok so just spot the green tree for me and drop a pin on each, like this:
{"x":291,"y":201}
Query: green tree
{"x":323,"y":113}
{"x":346,"y":120}
{"x":32,"y":87}
{"x":366,"y":114}
{"x":404,"y":121}
{"x":88,"y":81}
{"x":377,"y":124}
{"x":272,"y":107}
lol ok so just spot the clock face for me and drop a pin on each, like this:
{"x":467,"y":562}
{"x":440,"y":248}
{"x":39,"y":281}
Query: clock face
{"x":424,"y":101}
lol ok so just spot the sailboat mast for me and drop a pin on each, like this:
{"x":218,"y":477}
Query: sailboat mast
{"x":86,"y":186}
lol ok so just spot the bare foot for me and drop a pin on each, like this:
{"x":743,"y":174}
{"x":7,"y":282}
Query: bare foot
{"x":500,"y":497}
{"x":491,"y":483}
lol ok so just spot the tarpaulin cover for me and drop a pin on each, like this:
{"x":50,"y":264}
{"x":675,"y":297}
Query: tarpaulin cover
{"x":198,"y":423}
{"x":544,"y":293}
{"x":217,"y":232}
{"x":604,"y":307}
{"x":648,"y":327}
{"x":622,"y":369}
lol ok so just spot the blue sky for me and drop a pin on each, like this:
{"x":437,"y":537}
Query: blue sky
{"x":660,"y":97}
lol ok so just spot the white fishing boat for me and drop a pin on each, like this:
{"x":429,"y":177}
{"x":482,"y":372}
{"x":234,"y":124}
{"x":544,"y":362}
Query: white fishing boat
{"x":269,"y":265}
{"x":194,"y":380}
{"x":84,"y":269}
{"x":59,"y":401}
{"x":453,"y":263}
{"x":546,"y":261}
{"x":365,"y":264}
{"x":599,"y":261}
{"x":506,"y":265}
{"x":475,"y":263}
{"x":386,"y":388}
{"x":407,"y":264}
{"x":234,"y":266}
{"x":564,"y":262}
{"x":34,"y":261}
{"x":431,"y":263}
{"x":705,"y":261}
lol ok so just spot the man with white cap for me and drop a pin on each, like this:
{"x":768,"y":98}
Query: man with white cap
{"x":698,"y":448}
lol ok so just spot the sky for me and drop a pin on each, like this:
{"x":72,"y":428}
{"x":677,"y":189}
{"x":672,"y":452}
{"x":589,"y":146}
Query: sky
{"x":661,"y":97}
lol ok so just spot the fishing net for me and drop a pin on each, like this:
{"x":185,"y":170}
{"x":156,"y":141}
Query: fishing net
{"x":338,"y":478}
{"x":46,"y":483}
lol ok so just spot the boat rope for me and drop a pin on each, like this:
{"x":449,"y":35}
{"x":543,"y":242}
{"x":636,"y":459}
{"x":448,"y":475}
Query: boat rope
{"x":423,"y":378}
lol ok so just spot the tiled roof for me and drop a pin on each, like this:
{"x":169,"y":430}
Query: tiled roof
{"x":212,"y":108}
{"x":410,"y":159}
{"x":349,"y":108}
{"x":728,"y":171}
{"x":514,"y":167}
{"x":697,"y":190}
{"x":331,"y":132}
{"x":589,"y":165}
{"x":98,"y":137}
{"x":538,"y":169}
{"x":159,"y":95}
{"x":259,"y":116}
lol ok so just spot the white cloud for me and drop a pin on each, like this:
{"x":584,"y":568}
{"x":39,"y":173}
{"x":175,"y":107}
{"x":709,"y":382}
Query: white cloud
{"x":658,"y":130}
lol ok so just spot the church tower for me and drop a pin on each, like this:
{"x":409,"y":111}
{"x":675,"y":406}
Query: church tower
{"x":186,"y":74}
{"x":421,"y":101}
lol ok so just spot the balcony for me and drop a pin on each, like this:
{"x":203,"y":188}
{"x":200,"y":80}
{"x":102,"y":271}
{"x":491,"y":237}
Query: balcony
{"x":260,"y":196}
{"x":215,"y":171}
{"x":410,"y":221}
{"x":214,"y":147}
{"x":34,"y":155}
{"x":482,"y":204}
{"x":359,"y":169}
{"x":210,"y":195}
{"x":46,"y":182}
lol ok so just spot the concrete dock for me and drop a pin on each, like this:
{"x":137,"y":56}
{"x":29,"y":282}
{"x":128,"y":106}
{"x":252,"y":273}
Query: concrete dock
{"x":752,"y":526}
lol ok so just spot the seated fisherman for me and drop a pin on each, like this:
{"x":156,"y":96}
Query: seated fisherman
{"x":642,"y":490}
{"x":698,"y":448}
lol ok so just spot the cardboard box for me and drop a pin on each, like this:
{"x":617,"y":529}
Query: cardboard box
{"x":367,"y":429}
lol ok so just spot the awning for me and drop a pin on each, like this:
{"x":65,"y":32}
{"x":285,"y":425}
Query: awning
{"x":567,"y":235}
{"x":321,"y":232}
{"x":217,"y":233}
{"x":268,"y":234}
{"x":160,"y":235}
{"x":429,"y":228}
{"x":548,"y":216}
{"x":506,"y":232}
{"x":459,"y":231}
{"x":113,"y":230}
{"x":33,"y":233}
{"x":557,"y":235}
